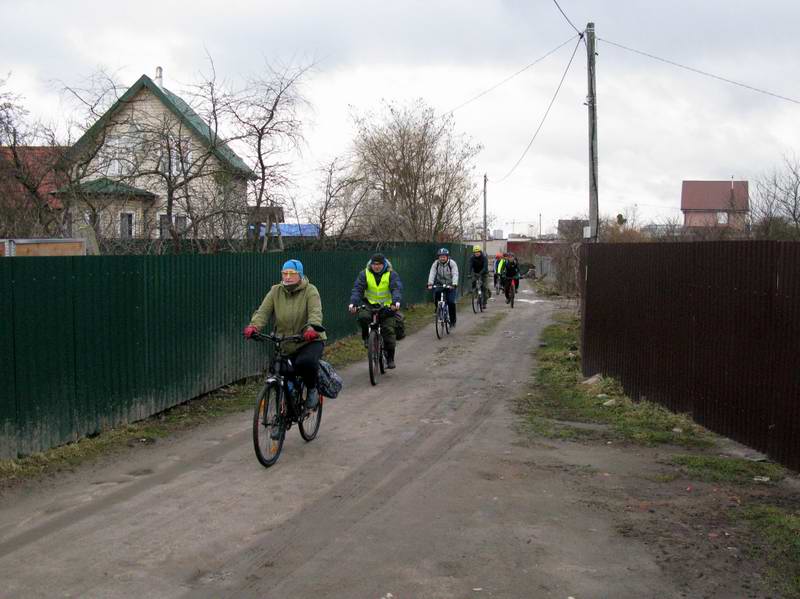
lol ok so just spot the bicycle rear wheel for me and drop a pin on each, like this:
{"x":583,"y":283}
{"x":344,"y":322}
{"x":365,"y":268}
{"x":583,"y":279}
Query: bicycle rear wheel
{"x":373,"y":349}
{"x":310,"y":421}
{"x":268,"y":426}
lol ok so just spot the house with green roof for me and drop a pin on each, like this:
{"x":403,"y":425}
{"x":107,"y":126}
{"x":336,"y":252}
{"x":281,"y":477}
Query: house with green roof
{"x":151,"y":167}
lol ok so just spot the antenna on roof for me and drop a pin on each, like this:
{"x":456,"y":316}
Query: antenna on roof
{"x":159,"y":77}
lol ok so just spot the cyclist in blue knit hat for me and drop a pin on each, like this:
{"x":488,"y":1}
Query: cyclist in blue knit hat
{"x":297,"y":308}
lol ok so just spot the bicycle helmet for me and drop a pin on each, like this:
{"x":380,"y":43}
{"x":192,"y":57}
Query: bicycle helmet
{"x":443,"y":252}
{"x":477,"y":249}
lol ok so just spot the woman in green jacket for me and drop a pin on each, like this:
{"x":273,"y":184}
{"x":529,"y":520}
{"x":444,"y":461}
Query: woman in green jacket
{"x":297,"y":308}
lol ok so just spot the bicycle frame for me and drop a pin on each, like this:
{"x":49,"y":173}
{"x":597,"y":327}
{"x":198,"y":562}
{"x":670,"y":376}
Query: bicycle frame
{"x":292,"y":409}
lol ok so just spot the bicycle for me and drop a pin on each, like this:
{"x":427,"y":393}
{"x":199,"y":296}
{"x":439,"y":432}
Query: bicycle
{"x":512,"y":291}
{"x":281,"y":403}
{"x":375,"y":355}
{"x":478,"y":296}
{"x":442,"y":316}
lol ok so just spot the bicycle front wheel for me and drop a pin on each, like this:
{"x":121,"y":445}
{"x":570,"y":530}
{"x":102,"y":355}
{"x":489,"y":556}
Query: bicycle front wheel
{"x":309,"y":422}
{"x":438,"y":323}
{"x":476,"y":301}
{"x":482,"y":300}
{"x":373,"y":350}
{"x":268,"y":426}
{"x":512,"y":292}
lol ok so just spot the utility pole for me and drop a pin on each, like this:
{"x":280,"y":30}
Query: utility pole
{"x":485,"y":233}
{"x":540,"y":225}
{"x":591,"y":101}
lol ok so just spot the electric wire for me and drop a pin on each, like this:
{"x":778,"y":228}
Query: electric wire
{"x":510,"y":77}
{"x":578,"y":31}
{"x":546,"y":112}
{"x":699,"y":72}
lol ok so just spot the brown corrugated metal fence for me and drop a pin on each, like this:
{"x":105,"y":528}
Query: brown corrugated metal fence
{"x":709,"y":328}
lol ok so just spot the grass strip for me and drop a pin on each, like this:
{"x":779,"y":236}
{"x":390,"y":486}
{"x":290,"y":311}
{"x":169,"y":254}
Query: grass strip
{"x":778,"y":530}
{"x":558,"y":397}
{"x":721,"y":469}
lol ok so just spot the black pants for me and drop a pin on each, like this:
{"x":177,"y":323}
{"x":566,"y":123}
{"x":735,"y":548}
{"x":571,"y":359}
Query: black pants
{"x":306,"y":362}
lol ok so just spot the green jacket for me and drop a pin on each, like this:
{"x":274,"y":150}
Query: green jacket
{"x":294,"y":312}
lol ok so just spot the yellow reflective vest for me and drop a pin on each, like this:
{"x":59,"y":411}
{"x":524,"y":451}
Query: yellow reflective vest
{"x":378,"y":293}
{"x":500,"y":266}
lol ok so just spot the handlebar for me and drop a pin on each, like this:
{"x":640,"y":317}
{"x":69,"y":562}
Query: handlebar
{"x":437,"y":287}
{"x":278,"y":339}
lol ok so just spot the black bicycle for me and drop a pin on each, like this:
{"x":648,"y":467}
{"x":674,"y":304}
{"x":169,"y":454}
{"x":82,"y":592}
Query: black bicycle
{"x":510,"y":290}
{"x":375,"y":352}
{"x":280,"y":404}
{"x":478,"y":295}
{"x":442,"y":316}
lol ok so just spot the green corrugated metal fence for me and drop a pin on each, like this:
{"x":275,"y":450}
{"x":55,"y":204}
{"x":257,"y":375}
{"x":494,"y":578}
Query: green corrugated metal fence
{"x":94,"y":342}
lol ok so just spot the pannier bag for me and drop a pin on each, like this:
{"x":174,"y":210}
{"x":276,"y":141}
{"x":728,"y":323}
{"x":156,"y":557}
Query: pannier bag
{"x":329,"y":383}
{"x":400,"y":326}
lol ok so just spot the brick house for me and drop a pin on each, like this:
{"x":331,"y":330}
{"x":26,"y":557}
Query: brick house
{"x":715,"y":204}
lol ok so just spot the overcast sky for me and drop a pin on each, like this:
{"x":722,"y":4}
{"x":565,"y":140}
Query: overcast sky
{"x":657,"y":125}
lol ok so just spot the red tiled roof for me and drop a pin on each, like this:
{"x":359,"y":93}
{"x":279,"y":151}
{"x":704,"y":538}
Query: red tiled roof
{"x":38,"y":164}
{"x":715,"y":195}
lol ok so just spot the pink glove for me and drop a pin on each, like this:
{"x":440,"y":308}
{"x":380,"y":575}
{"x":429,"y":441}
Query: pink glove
{"x":249,"y":331}
{"x":310,"y":335}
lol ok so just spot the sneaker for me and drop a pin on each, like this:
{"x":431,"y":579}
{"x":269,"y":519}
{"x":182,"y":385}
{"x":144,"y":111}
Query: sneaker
{"x":452,"y":325}
{"x":312,"y":401}
{"x":390,"y":364}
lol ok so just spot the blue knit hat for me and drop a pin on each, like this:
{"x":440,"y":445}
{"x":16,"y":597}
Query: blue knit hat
{"x":293,"y":265}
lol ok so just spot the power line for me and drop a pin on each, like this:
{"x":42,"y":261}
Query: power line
{"x":546,"y":112}
{"x":510,"y":77}
{"x":699,"y":72}
{"x":578,"y":31}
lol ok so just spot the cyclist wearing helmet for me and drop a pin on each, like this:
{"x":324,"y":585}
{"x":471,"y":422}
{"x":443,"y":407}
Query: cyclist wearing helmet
{"x":479,"y":269}
{"x":498,"y":258}
{"x":445,"y":272}
{"x":509,"y":273}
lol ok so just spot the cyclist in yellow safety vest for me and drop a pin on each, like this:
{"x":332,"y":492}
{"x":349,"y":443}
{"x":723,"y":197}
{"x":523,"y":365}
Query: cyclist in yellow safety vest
{"x":378,"y":285}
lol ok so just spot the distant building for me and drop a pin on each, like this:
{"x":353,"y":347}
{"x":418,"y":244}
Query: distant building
{"x":498,"y":234}
{"x":715,"y":204}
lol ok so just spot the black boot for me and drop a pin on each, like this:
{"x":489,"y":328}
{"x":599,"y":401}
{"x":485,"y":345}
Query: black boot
{"x":389,"y":359}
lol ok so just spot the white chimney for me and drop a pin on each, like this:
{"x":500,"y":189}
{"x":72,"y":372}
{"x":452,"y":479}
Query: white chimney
{"x":159,"y":77}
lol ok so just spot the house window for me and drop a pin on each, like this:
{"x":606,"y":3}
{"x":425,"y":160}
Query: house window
{"x":125,"y":225}
{"x":181,"y":224}
{"x":722,"y":218}
{"x":163,"y":226}
{"x":177,"y":157}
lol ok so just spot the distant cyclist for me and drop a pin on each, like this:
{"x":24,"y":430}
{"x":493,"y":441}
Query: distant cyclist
{"x":444,"y":272}
{"x":509,"y":274}
{"x":498,"y":258}
{"x":479,"y":269}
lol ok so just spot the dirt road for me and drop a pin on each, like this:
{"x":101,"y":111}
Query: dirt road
{"x":417,"y":488}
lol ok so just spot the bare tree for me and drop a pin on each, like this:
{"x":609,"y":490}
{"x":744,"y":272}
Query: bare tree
{"x":418,"y":172}
{"x":266,"y":120}
{"x":31,"y":166}
{"x":343,"y":192}
{"x":775,"y":205}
